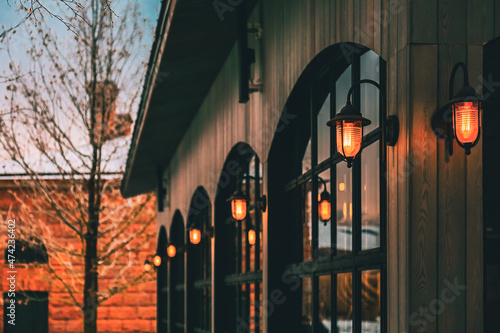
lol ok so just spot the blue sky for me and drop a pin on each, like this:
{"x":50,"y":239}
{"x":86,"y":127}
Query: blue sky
{"x":19,"y":43}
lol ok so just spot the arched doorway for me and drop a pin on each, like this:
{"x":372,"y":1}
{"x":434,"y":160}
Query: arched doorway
{"x":331,"y":273}
{"x":177,"y":283}
{"x":238,"y":263}
{"x":199,"y":264}
{"x":162,"y":283}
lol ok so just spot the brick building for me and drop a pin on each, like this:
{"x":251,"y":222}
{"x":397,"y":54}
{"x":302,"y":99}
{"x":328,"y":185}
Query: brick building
{"x":42,"y":302}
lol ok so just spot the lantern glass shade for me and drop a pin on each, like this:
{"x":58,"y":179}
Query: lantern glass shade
{"x":251,"y":237}
{"x":195,"y":236}
{"x":466,"y":121}
{"x":324,"y":210}
{"x":157,"y":260}
{"x":349,"y":136}
{"x":239,"y":209}
{"x":171,"y":251}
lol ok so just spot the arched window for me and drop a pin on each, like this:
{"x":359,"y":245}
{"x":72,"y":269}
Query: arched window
{"x":162,"y":284}
{"x":199,"y":258}
{"x":238,"y":261}
{"x":334,"y":272}
{"x":177,"y":283}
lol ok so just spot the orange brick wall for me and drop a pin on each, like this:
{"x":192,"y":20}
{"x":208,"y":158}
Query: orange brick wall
{"x":131,"y":311}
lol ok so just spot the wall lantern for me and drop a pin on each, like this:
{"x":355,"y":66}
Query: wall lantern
{"x":194,"y":236}
{"x":324,"y":205}
{"x":349,"y":125}
{"x":252,"y":237}
{"x":171,"y":251}
{"x":238,"y":205}
{"x":152,"y":262}
{"x":460,"y":117}
{"x":157,"y":260}
{"x":148,"y":264}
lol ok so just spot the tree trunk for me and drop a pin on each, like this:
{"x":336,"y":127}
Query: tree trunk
{"x":90,"y":287}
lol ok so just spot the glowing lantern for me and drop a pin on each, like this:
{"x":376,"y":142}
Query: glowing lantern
{"x":466,"y":123}
{"x":324,"y":207}
{"x":349,"y":125}
{"x":195,"y":236}
{"x":238,"y":205}
{"x":147,"y":265}
{"x":251,"y":236}
{"x":157,"y":260}
{"x":466,"y":107}
{"x":171,"y":251}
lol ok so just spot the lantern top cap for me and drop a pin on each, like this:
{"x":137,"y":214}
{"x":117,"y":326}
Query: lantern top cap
{"x":349,"y":112}
{"x":325,"y":195}
{"x":238,"y":195}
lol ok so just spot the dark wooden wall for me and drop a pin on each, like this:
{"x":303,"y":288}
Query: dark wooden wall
{"x":434,"y":201}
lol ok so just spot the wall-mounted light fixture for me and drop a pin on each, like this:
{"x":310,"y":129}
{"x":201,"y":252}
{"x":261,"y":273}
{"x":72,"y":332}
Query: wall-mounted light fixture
{"x":171,"y":250}
{"x":324,"y":205}
{"x":349,"y":125}
{"x":460,"y":117}
{"x":152,"y":262}
{"x":251,"y":235}
{"x":238,"y":205}
{"x":196,"y":235}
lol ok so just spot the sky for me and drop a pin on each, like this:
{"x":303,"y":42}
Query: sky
{"x":10,"y":16}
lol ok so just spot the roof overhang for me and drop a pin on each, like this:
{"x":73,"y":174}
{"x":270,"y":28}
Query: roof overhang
{"x":190,"y":47}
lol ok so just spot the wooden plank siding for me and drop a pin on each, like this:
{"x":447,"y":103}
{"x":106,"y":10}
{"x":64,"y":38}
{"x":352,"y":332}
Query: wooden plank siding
{"x":434,"y":201}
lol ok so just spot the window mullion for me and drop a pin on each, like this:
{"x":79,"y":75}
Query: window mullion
{"x":356,"y":203}
{"x":258,"y":216}
{"x":314,"y":209}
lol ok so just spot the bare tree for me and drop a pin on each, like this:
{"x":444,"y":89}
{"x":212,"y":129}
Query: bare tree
{"x":37,"y":10}
{"x":68,"y":107}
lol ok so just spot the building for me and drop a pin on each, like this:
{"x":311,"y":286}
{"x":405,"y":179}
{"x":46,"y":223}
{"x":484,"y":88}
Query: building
{"x":42,"y":301}
{"x":237,"y":98}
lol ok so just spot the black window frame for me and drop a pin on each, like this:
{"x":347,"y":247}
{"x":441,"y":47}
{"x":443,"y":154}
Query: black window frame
{"x":359,"y":260}
{"x":232,"y":282}
{"x":199,"y":265}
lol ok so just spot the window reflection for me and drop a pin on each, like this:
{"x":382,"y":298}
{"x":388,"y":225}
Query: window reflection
{"x":344,"y":303}
{"x":369,"y":99}
{"x":324,"y":228}
{"x":325,"y":303}
{"x":307,"y":222}
{"x":370,"y":198}
{"x":306,"y":305}
{"x":344,"y":209}
{"x":370,"y":300}
{"x":324,"y":131}
{"x":342,"y":86}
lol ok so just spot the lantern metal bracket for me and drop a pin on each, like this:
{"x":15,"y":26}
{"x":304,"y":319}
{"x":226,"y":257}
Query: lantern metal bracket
{"x":210,"y":232}
{"x":262,"y":202}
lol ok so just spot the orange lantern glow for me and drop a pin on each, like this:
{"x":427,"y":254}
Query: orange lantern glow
{"x":349,"y":127}
{"x":251,"y":236}
{"x":157,"y":260}
{"x":238,"y":205}
{"x":171,"y":251}
{"x":147,"y":265}
{"x":349,"y":135}
{"x":324,"y":207}
{"x":195,"y":236}
{"x":466,"y":122}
